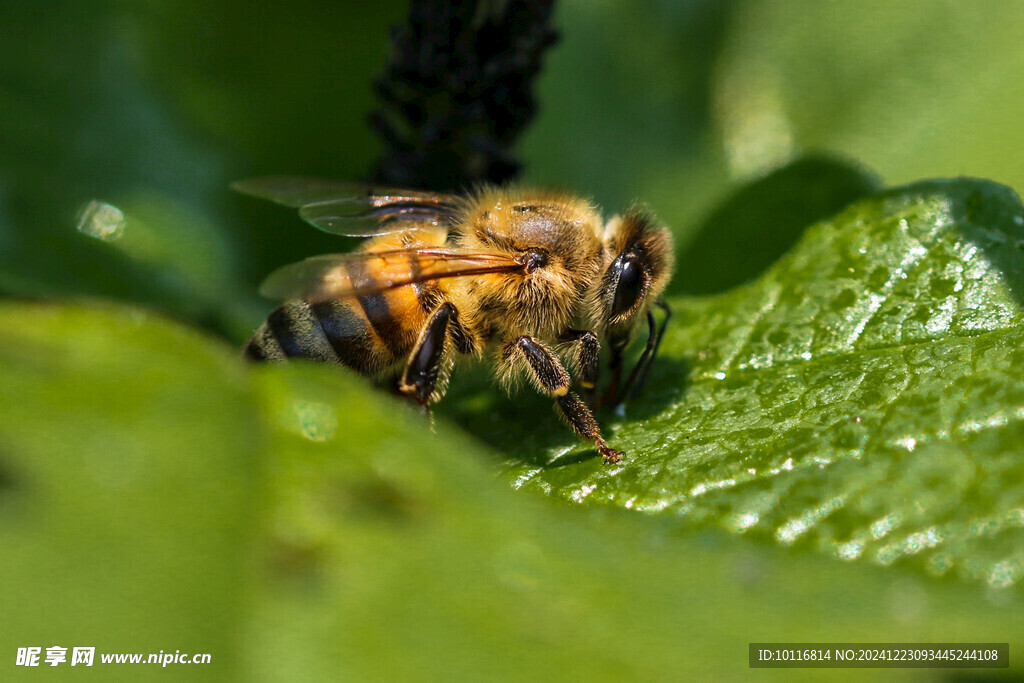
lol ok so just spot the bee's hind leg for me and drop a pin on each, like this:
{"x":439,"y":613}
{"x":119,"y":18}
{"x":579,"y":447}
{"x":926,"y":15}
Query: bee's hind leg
{"x":425,"y":374}
{"x":549,"y":375}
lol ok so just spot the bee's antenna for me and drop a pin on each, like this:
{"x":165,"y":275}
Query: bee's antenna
{"x":643,"y":365}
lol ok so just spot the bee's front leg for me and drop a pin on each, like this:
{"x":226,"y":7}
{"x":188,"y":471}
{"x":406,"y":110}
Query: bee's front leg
{"x":586,"y":350}
{"x":548,"y":374}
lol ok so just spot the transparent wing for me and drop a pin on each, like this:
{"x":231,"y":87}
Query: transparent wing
{"x":333,"y":276}
{"x":374,"y":215}
{"x":353,"y":209}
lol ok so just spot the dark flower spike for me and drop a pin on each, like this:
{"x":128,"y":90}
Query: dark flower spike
{"x":458,"y":91}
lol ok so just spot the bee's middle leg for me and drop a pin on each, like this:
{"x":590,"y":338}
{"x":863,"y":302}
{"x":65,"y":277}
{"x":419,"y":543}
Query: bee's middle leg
{"x":586,"y":350}
{"x":549,"y":374}
{"x":424,"y":367}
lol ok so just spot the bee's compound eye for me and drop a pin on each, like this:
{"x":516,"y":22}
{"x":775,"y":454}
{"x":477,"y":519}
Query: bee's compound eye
{"x":630,"y":284}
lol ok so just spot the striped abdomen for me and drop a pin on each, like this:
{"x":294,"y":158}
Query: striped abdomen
{"x":369,"y":333}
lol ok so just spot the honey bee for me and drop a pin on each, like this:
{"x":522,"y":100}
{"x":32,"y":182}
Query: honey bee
{"x":527,"y":277}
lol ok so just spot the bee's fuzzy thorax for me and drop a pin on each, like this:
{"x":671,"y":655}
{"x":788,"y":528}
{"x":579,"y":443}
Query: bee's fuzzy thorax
{"x":563,"y":228}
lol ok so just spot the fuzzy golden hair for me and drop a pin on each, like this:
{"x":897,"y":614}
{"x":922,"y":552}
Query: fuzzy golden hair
{"x":564,"y":230}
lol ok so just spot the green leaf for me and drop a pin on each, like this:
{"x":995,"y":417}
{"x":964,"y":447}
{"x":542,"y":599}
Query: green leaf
{"x":297,"y":525}
{"x":864,"y":397}
{"x":126,"y":450}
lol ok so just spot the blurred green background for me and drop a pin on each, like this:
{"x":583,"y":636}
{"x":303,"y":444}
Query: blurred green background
{"x":155,"y":107}
{"x":156,"y":495}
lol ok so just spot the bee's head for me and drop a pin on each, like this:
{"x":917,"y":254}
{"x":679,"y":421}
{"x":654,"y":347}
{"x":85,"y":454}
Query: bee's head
{"x":639,"y":264}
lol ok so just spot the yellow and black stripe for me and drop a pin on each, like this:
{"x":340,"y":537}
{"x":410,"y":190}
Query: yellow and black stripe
{"x":370,"y":332}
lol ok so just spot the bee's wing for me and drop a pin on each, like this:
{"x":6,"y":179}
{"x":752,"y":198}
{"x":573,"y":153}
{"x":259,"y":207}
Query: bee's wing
{"x":353,"y":209}
{"x":333,"y":276}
